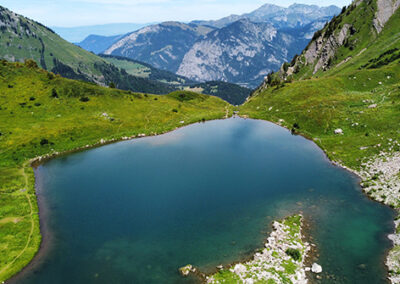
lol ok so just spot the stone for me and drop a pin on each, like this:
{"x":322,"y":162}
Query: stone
{"x":316,"y":268}
{"x":239,"y":268}
{"x":339,"y":131}
{"x":186,"y":270}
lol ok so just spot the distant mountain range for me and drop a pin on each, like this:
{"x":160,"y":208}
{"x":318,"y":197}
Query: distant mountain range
{"x":238,"y":49}
{"x":163,"y":45}
{"x":229,"y":92}
{"x":22,"y":39}
{"x":296,"y":15}
{"x":244,"y":52}
{"x":97,"y":43}
{"x":77,"y":34}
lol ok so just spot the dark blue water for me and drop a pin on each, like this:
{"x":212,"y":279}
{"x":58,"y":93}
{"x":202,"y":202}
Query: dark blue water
{"x":136,"y":211}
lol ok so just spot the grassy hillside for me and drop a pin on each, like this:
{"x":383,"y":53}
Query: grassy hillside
{"x":144,"y":70}
{"x":22,"y":38}
{"x":360,"y":96}
{"x":229,"y":92}
{"x":343,"y":92}
{"x":44,"y":114}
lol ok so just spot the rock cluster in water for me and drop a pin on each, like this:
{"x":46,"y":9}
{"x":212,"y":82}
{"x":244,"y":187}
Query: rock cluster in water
{"x":281,"y":261}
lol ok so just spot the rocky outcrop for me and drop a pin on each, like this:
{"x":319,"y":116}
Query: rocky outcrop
{"x":322,"y":50}
{"x":163,"y":45}
{"x":237,"y":49}
{"x":285,"y":247}
{"x":386,"y":8}
{"x":293,"y":16}
{"x":241,"y":51}
{"x":244,"y":52}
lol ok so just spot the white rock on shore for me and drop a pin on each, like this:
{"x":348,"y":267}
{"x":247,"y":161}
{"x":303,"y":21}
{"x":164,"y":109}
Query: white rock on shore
{"x":316,"y":268}
{"x":270,"y":263}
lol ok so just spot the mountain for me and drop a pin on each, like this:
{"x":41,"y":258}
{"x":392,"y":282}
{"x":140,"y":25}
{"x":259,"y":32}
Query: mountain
{"x":229,"y":92}
{"x":343,"y":92}
{"x":163,"y":45}
{"x":78,"y":34}
{"x":293,"y":16}
{"x":98,"y":44}
{"x":233,"y":49}
{"x":344,"y":41}
{"x":22,"y":38}
{"x":244,"y":52}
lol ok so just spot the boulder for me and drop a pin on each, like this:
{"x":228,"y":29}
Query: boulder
{"x":339,"y":131}
{"x":316,"y":268}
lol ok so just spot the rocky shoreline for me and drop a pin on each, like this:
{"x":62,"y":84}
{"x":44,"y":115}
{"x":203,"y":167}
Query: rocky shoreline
{"x":282,"y":260}
{"x":381,"y":181}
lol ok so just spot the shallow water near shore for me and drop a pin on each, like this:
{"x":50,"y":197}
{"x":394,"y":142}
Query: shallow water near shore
{"x":206,"y":194}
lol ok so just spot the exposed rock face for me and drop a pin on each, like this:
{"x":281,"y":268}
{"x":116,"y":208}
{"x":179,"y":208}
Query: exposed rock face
{"x":295,"y":15}
{"x":163,"y":45}
{"x":237,"y":49}
{"x":230,"y":54}
{"x":386,"y":9}
{"x":244,"y":52}
{"x":323,"y":50}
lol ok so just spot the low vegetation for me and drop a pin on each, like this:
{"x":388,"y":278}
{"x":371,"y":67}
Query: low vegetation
{"x":229,"y":92}
{"x":41,"y":113}
{"x":280,"y":261}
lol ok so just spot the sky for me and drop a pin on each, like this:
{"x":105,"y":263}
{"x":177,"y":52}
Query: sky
{"x":71,"y":13}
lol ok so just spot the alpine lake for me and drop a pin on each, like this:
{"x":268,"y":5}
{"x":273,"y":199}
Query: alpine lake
{"x":206,"y":194}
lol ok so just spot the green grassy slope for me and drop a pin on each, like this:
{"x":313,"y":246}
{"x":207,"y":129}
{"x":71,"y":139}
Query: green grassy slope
{"x":361,"y":96}
{"x":229,"y":92}
{"x":22,"y":38}
{"x":43,"y":114}
{"x":145,"y":70}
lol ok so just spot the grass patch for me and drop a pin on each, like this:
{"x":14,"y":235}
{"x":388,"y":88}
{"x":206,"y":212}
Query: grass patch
{"x":71,"y":114}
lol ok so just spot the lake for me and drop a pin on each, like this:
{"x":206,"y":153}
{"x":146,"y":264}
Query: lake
{"x":206,"y":194}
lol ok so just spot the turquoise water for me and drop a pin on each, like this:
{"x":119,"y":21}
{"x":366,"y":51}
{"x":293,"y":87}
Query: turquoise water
{"x":136,"y":211}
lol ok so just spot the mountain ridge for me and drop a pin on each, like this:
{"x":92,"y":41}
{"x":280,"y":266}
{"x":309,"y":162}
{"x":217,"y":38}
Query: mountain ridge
{"x":207,"y":57}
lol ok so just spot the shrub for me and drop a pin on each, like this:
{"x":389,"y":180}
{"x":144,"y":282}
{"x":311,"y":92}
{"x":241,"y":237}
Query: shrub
{"x":112,"y":85}
{"x":294,"y":253}
{"x":31,"y":63}
{"x":50,"y":76}
{"x":44,"y":141}
{"x":84,"y":99}
{"x":175,"y":110}
{"x":54,"y":93}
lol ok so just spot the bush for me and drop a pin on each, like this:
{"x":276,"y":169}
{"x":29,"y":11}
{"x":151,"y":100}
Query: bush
{"x":112,"y":85}
{"x":84,"y":99}
{"x":44,"y":141}
{"x":175,"y":110}
{"x":54,"y":93}
{"x":294,"y":253}
{"x":31,"y":63}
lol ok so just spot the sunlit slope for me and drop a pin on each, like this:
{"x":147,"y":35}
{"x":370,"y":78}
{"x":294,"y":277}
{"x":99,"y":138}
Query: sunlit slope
{"x":43,"y":114}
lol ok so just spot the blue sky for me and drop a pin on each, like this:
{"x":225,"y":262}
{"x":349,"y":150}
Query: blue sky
{"x":69,"y":13}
